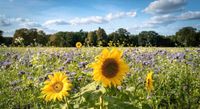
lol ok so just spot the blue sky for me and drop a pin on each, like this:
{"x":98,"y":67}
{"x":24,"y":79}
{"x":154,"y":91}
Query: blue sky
{"x":163,"y":16}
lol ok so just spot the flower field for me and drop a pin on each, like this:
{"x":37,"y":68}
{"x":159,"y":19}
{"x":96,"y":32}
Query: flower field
{"x":99,"y":78}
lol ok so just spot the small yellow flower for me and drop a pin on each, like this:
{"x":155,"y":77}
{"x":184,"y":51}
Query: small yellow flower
{"x":109,"y":68}
{"x":149,"y":82}
{"x":78,"y":45}
{"x":56,"y":87}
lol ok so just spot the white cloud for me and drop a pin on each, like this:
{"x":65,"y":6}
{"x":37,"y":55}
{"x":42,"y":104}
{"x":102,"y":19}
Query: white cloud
{"x":165,"y":6}
{"x":162,"y":20}
{"x":7,"y":21}
{"x":131,"y":13}
{"x":56,"y":22}
{"x":92,"y":19}
{"x":19,"y":19}
{"x":167,"y":19}
{"x":31,"y":25}
{"x":4,"y":21}
{"x":155,"y":21}
{"x":190,"y":15}
{"x":21,"y":23}
{"x":87,"y":20}
{"x":112,"y":16}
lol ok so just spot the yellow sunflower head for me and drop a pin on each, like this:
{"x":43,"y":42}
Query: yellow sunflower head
{"x":149,"y":82}
{"x":78,"y":44}
{"x":56,"y":87}
{"x":109,"y":68}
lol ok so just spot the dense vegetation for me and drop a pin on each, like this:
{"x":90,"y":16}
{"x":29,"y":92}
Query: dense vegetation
{"x":176,"y":78}
{"x":185,"y":37}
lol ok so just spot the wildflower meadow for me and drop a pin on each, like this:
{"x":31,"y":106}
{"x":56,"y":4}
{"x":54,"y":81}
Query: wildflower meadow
{"x":99,"y":78}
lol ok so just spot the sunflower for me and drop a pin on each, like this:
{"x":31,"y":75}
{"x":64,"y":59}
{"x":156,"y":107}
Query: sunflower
{"x":109,"y":68}
{"x":149,"y":82}
{"x":78,"y":44}
{"x":56,"y":87}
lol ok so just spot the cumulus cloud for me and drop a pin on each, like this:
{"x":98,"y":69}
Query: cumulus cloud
{"x":92,"y":19}
{"x":156,"y":21}
{"x":31,"y":24}
{"x":190,"y":15}
{"x":19,"y":19}
{"x":167,"y":19}
{"x":7,"y":21}
{"x":88,"y":20}
{"x":56,"y":22}
{"x":112,"y":16}
{"x":165,"y":6}
{"x":161,"y":20}
{"x":170,"y":18}
{"x":4,"y":21}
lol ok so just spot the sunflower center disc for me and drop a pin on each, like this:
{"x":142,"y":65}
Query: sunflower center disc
{"x":58,"y":86}
{"x":110,"y":68}
{"x":148,"y":82}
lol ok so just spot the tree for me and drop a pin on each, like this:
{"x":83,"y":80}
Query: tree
{"x":114,"y":37}
{"x":41,"y":37}
{"x":165,"y":41}
{"x":187,"y":36}
{"x":30,"y":36}
{"x":123,"y":36}
{"x":148,"y":38}
{"x":198,"y":39}
{"x":82,"y":35}
{"x":133,"y":40}
{"x":71,"y":39}
{"x":119,"y":37}
{"x":7,"y":41}
{"x":101,"y":37}
{"x":91,"y":39}
{"x":57,"y":39}
{"x":1,"y":33}
{"x":1,"y":37}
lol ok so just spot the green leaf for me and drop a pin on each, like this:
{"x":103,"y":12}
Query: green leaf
{"x":146,"y":106}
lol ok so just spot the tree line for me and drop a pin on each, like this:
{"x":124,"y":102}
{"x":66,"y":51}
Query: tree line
{"x":185,"y":37}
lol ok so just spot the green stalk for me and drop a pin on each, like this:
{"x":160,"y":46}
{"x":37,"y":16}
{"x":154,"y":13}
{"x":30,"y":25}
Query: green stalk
{"x":67,"y":104}
{"x":101,"y":102}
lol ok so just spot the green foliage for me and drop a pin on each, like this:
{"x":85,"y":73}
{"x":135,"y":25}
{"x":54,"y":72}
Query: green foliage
{"x":57,"y":40}
{"x":30,"y":36}
{"x":148,"y":38}
{"x":66,"y":39}
{"x":8,"y":41}
{"x":187,"y":36}
{"x":101,"y":37}
{"x":91,"y":39}
{"x":1,"y":37}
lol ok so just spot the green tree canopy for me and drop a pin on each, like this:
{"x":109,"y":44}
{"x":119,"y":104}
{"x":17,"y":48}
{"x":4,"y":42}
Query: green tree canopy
{"x":30,"y":36}
{"x":57,"y":39}
{"x":187,"y":36}
{"x":1,"y":36}
{"x":101,"y":36}
{"x":148,"y":38}
{"x":91,"y":39}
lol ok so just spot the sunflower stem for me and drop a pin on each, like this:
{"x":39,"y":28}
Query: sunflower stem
{"x":101,"y":102}
{"x":67,"y":104}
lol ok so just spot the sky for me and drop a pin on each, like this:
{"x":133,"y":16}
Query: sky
{"x":163,"y":16}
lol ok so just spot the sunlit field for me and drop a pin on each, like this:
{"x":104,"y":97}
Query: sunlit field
{"x":175,"y":78}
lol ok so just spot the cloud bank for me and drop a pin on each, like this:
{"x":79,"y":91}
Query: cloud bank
{"x":91,"y":19}
{"x":165,"y":6}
